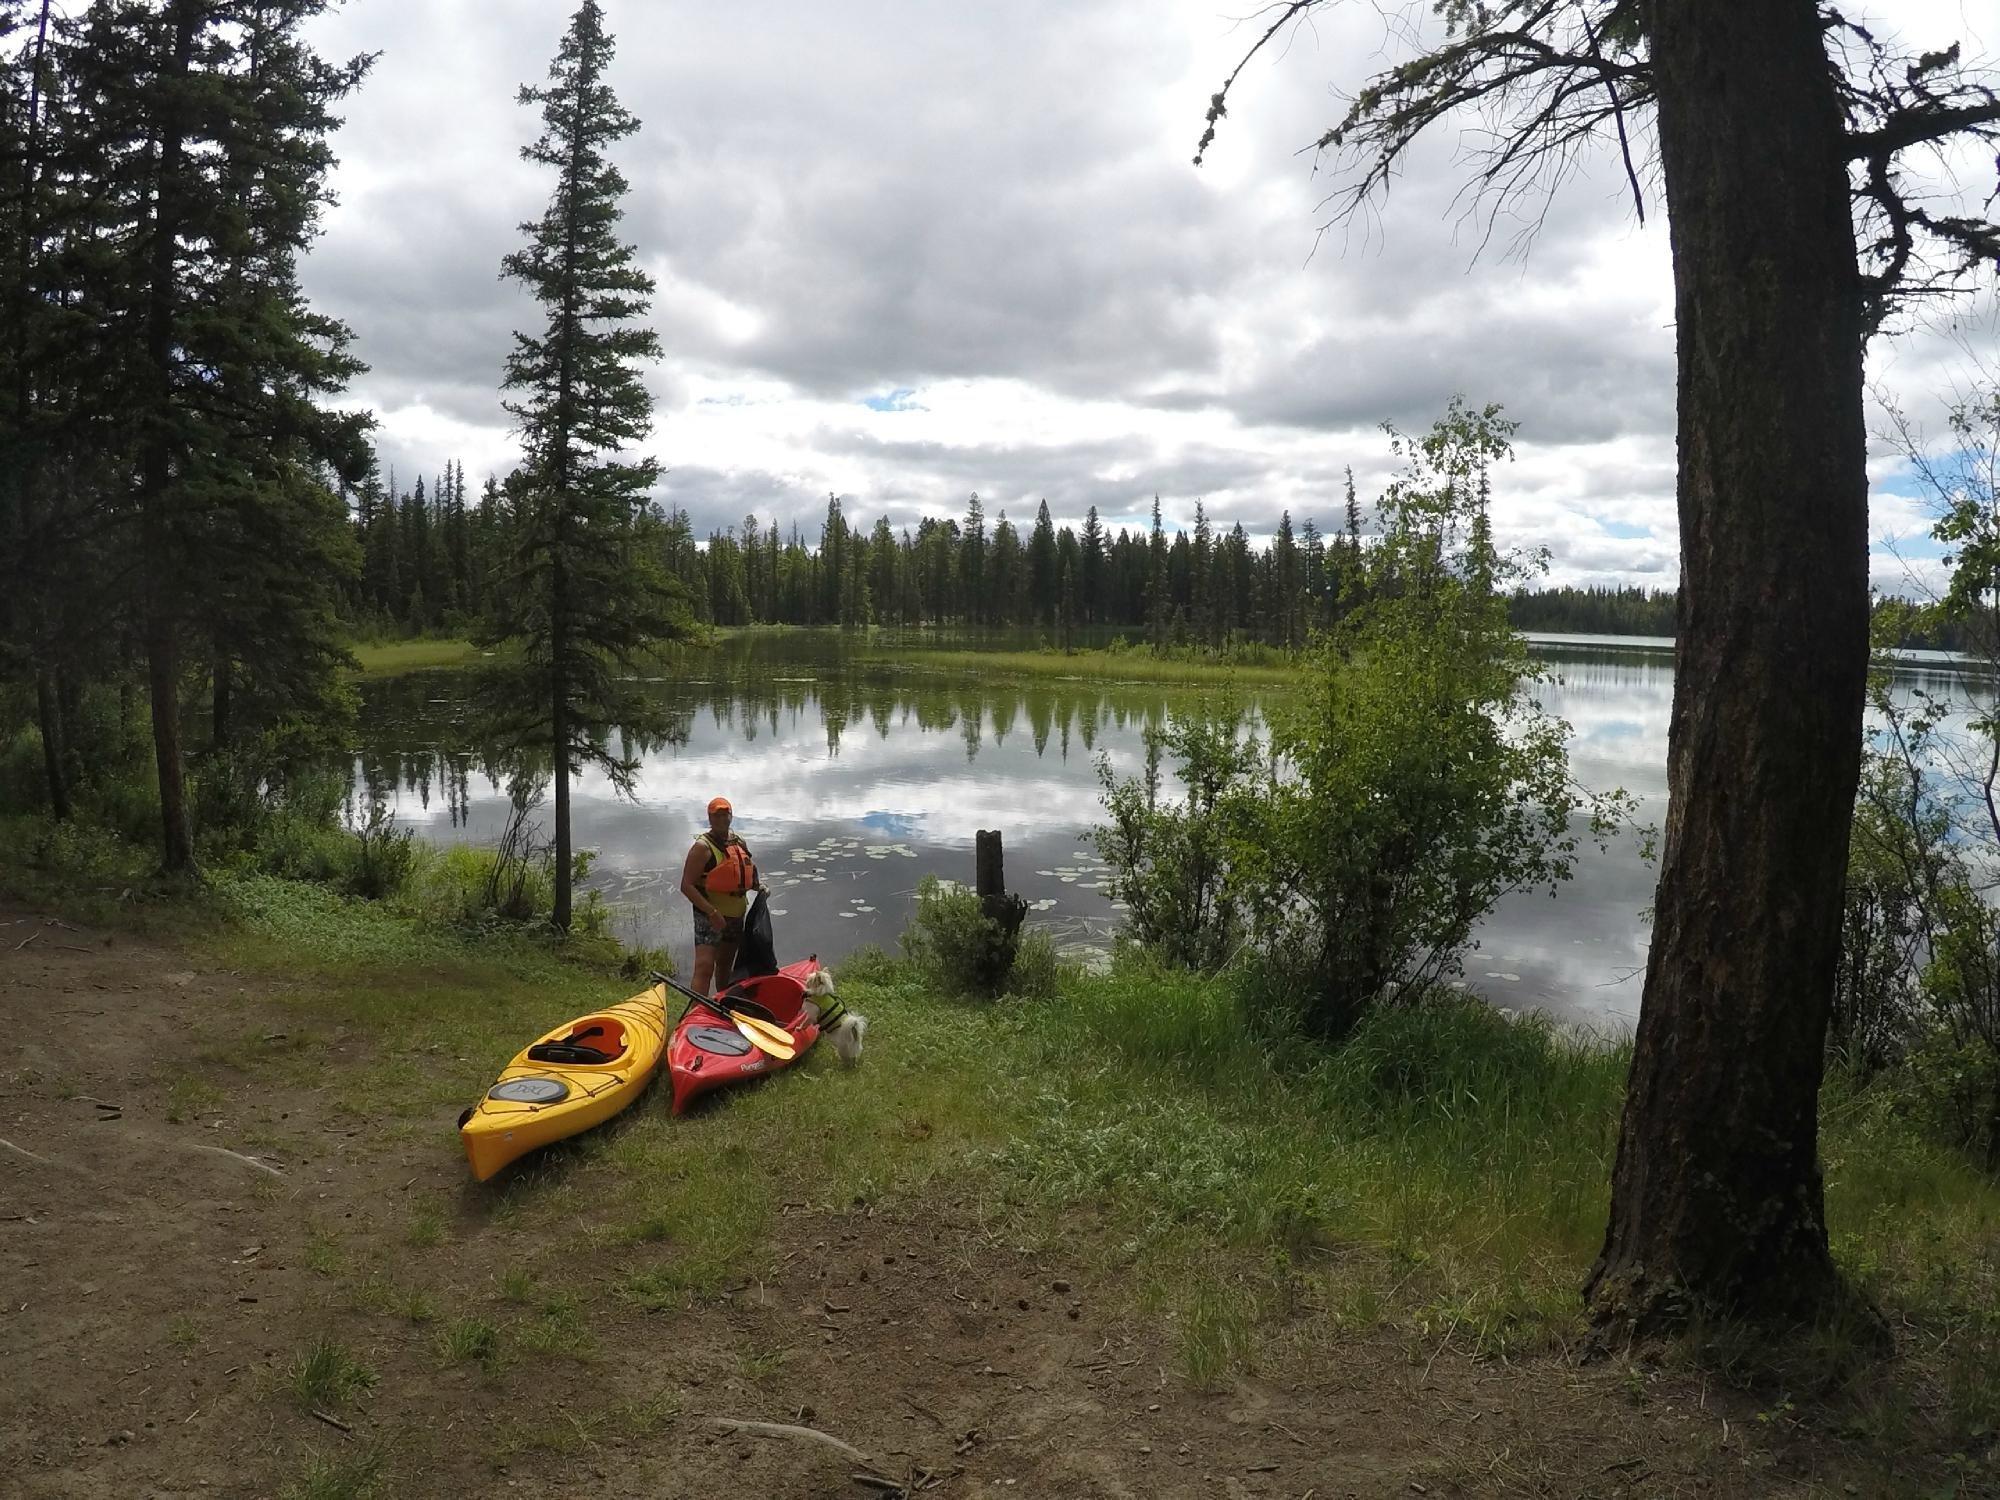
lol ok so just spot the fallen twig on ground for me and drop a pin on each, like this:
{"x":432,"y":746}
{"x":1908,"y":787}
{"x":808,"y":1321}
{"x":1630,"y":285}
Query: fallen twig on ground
{"x":786,"y":1430}
{"x":248,"y":1161}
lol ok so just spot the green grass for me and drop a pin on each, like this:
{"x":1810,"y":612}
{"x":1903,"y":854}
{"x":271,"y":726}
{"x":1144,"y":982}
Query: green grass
{"x":412,"y":1304}
{"x":1095,"y":665}
{"x":322,"y":1255}
{"x":320,"y":1477}
{"x":561,"y":1328}
{"x":567,"y":1432}
{"x":324,"y":1374}
{"x":184,"y":1334}
{"x":1445,"y":1173}
{"x":189,"y":1098}
{"x":425,"y":1228}
{"x":469,"y":1339}
{"x":1214,"y":1326}
{"x":388,"y":658}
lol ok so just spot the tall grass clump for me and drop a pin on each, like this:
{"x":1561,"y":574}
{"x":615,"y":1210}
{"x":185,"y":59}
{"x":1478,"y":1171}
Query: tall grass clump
{"x":1462,"y":1121}
{"x":324,"y":1374}
{"x":1467,"y":1151}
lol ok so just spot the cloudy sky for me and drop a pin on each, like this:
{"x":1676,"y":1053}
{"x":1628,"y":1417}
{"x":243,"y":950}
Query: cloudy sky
{"x":906,"y":252}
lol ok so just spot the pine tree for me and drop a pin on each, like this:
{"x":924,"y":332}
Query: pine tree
{"x":833,"y":560}
{"x":1041,"y":580}
{"x":1285,"y":584}
{"x":1200,"y":588}
{"x":205,"y":163}
{"x":886,"y":567}
{"x":36,"y":550}
{"x":1159,"y":583}
{"x":1004,"y":574}
{"x":1091,"y":572}
{"x":1312,"y":570}
{"x":972,"y":564}
{"x":585,"y":600}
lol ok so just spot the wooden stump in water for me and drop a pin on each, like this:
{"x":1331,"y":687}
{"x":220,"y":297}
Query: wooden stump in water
{"x":1006,"y":912}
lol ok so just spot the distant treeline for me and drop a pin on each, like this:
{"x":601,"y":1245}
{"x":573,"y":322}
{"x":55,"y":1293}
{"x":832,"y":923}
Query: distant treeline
{"x":1594,"y":611}
{"x":1636,"y":611}
{"x":429,"y":555}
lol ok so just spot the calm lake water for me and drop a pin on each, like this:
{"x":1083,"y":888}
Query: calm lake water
{"x":851,"y":780}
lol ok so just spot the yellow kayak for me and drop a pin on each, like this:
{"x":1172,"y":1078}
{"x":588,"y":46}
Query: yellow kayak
{"x":577,"y":1076}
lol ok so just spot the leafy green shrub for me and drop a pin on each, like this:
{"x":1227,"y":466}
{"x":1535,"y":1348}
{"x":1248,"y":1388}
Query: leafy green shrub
{"x":226,"y":802}
{"x":72,"y":849}
{"x":962,"y":951}
{"x":1171,"y":860}
{"x":383,"y":856}
{"x":1411,"y":782}
{"x":128,"y":805}
{"x":24,"y":783}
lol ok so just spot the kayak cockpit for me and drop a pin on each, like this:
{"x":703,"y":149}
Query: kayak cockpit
{"x":593,"y":1042}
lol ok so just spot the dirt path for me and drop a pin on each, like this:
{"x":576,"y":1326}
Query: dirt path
{"x":174,"y":1231}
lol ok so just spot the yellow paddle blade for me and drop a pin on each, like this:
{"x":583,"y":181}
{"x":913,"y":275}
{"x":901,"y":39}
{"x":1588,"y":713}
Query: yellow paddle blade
{"x":777,"y":1035}
{"x":784,"y":1051}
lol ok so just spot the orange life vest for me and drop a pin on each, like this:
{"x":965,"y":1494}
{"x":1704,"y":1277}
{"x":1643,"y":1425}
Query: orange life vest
{"x":731,"y":872}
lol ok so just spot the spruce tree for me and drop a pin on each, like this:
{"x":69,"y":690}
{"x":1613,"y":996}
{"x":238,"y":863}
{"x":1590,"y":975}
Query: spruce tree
{"x":1092,"y":568}
{"x":204,"y":161}
{"x":585,"y":601}
{"x":1285,"y":584}
{"x":972,"y":563}
{"x":30,"y":401}
{"x":1041,"y":581}
{"x":1159,"y":582}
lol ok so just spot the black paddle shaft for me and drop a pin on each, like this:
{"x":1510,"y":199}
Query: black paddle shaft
{"x":720,"y":1005}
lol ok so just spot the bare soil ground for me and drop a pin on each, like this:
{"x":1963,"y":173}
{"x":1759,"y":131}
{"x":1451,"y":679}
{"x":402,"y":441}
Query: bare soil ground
{"x":175,"y":1230}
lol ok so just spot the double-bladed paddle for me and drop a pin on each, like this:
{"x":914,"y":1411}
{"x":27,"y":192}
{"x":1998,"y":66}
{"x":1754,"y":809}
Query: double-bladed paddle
{"x":766,"y":1036}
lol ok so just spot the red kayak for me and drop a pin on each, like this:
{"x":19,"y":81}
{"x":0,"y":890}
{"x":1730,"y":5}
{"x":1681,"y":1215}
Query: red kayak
{"x":706,"y":1050}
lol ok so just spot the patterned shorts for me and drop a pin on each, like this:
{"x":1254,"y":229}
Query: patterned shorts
{"x":706,"y":934}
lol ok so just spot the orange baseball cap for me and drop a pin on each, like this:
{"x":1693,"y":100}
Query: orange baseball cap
{"x":718,"y":804}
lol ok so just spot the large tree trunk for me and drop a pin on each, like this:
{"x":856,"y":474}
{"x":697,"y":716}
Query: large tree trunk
{"x":219,"y":699}
{"x":560,"y":725}
{"x":156,"y":471}
{"x":1716,"y":1198}
{"x":163,"y":677}
{"x":49,"y":716}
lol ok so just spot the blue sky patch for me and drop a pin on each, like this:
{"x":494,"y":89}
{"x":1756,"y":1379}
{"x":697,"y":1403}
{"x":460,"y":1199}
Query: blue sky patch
{"x":1917,"y":545}
{"x":1625,"y":531}
{"x":896,"y":400}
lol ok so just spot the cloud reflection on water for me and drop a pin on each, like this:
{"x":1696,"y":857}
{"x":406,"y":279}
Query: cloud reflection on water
{"x":812,"y":746}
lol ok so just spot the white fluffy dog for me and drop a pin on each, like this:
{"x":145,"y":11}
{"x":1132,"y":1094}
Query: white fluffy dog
{"x":843,"y":1027}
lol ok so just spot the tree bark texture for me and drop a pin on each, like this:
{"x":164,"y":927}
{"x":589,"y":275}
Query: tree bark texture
{"x":156,"y":470}
{"x":559,"y":717}
{"x":1717,"y":1194}
{"x":219,"y":700}
{"x":49,"y":715}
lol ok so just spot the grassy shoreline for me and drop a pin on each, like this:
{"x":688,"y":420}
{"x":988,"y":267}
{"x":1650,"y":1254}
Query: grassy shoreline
{"x":1439,"y":1180}
{"x":1095,"y":665}
{"x":391,"y":658}
{"x":1445,"y":1165}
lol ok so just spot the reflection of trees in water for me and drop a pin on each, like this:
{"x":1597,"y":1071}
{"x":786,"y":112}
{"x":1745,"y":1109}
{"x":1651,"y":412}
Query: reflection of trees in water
{"x":415,"y":734}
